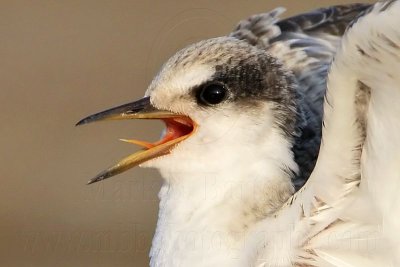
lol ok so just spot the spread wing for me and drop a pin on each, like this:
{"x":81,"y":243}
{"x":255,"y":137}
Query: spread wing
{"x":306,"y":45}
{"x":347,"y":212}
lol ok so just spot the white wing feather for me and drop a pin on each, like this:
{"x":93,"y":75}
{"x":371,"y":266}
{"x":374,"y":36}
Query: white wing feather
{"x":348,"y":212}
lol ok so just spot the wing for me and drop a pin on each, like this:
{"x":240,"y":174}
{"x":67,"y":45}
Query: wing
{"x":347,"y":213}
{"x":306,"y":45}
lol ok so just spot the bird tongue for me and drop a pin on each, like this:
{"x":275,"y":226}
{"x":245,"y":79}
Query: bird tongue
{"x":175,"y":128}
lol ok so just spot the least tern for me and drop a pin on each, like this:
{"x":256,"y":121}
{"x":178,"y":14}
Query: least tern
{"x":247,"y":180}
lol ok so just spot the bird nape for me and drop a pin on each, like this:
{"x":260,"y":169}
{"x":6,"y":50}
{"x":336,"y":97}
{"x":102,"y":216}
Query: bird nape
{"x":247,"y":180}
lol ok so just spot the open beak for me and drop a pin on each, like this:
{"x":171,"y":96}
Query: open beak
{"x":178,"y":128}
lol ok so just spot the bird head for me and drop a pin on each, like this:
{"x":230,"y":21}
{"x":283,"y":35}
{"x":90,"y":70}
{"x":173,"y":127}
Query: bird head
{"x":218,"y":99}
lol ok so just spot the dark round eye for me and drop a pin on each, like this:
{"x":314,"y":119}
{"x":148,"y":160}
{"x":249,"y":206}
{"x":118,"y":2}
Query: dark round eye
{"x":212,"y":94}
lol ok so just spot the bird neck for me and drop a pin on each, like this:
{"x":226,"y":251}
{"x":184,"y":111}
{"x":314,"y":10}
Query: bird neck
{"x":204,"y":208}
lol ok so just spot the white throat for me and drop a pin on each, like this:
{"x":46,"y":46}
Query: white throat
{"x":210,"y":201}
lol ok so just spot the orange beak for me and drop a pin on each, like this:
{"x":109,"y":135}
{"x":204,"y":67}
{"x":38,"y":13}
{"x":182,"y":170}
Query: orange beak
{"x":178,"y":128}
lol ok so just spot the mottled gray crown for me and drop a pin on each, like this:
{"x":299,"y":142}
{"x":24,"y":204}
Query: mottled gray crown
{"x":250,"y":73}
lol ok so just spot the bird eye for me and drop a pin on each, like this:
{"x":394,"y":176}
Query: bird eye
{"x":212,"y":94}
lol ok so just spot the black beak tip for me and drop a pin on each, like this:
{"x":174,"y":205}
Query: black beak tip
{"x":79,"y":123}
{"x":101,"y":176}
{"x":94,"y":180}
{"x":84,"y":121}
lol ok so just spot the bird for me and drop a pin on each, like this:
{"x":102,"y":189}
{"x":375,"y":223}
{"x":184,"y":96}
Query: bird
{"x":281,"y":143}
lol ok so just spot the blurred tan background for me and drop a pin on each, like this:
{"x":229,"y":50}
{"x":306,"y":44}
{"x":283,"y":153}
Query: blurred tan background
{"x":61,"y":61}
